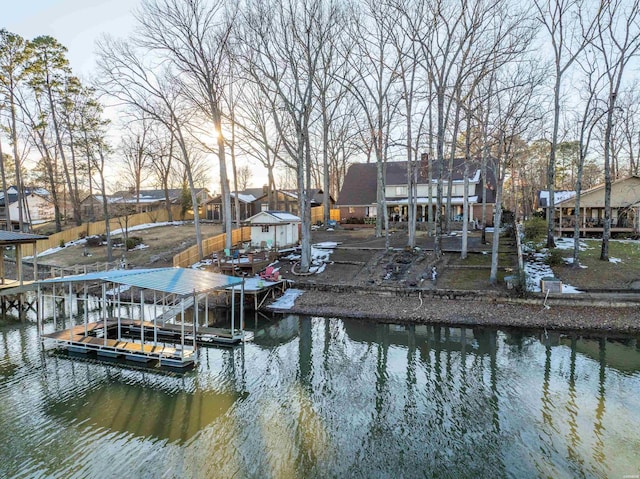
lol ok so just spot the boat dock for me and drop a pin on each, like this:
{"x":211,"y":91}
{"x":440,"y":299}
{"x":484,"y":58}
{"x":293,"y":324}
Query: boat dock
{"x":152,"y":324}
{"x":258,"y":290}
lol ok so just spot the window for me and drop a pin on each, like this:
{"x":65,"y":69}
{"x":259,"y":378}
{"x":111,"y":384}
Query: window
{"x":351,"y":210}
{"x":265,"y":228}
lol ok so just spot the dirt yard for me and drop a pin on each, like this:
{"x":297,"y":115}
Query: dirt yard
{"x":161,"y":244}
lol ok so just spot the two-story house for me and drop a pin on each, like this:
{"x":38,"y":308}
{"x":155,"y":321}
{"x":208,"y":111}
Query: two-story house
{"x":357,"y":199}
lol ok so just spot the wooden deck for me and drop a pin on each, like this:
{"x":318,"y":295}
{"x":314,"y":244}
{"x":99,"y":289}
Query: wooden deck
{"x":76,"y":340}
{"x":246,"y":264}
{"x":92,"y":337}
{"x":260,"y":290}
{"x":593,"y":230}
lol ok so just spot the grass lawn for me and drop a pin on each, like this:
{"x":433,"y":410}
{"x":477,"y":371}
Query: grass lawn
{"x":469,"y":279}
{"x":473,"y":272}
{"x":622,"y":269}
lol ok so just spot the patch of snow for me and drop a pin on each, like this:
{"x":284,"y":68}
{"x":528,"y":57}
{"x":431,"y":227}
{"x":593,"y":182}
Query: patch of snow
{"x":114,"y":232}
{"x":567,"y":243}
{"x":140,"y":246}
{"x":202,"y":264}
{"x":287,"y":300}
{"x":570,"y":261}
{"x":121,"y":289}
{"x":537,"y":269}
{"x":570,"y":289}
{"x":615,"y":260}
{"x":318,"y":269}
{"x":319,"y":256}
{"x":326,"y":245}
{"x":147,"y":226}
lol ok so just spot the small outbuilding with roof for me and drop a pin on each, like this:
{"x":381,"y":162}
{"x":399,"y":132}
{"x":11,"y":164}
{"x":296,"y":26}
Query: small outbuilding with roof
{"x":274,"y":229}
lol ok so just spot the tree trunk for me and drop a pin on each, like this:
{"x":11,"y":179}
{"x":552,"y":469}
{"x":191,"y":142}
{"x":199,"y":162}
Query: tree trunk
{"x":606,"y":224}
{"x":7,"y":213}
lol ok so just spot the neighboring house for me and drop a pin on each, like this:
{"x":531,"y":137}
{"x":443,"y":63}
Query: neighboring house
{"x":150,"y":200}
{"x":274,"y":229}
{"x":357,"y":199}
{"x":91,"y":207}
{"x":37,"y":207}
{"x":246,"y":198}
{"x":254,"y":200}
{"x":542,"y":198}
{"x":287,"y":200}
{"x":625,"y":209}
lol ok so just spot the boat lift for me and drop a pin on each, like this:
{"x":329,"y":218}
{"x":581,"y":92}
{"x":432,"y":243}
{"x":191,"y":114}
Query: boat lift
{"x":159,"y":331}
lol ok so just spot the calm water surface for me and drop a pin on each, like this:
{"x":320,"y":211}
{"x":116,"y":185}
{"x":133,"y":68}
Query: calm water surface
{"x":315,"y":397}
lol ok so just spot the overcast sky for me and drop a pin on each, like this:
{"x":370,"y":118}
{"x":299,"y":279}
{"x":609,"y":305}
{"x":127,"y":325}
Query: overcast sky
{"x":74,"y":23}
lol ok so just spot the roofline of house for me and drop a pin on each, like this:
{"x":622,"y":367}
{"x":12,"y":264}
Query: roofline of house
{"x":596,"y":188}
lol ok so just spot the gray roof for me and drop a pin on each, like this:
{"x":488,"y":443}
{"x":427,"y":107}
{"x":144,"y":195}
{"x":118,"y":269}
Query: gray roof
{"x":179,"y":281}
{"x":359,"y":185}
{"x":15,"y":237}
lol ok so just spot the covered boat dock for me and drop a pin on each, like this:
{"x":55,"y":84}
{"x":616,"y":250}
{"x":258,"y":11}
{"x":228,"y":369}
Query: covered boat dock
{"x":150,"y":324}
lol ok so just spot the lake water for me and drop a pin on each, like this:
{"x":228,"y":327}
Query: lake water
{"x":315,"y":397}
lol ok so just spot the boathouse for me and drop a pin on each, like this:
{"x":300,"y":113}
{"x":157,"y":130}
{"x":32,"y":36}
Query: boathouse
{"x":148,"y":323}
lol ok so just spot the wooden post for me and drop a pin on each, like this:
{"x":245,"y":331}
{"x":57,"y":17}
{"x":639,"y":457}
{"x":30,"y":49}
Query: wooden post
{"x":1,"y":267}
{"x":19,"y":262}
{"x":35,"y":262}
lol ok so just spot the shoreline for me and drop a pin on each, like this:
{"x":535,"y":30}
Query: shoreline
{"x":496,"y":312}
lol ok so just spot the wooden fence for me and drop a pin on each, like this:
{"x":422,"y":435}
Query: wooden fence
{"x":210,"y":245}
{"x":240,"y":235}
{"x":317,"y":214}
{"x":98,"y":227}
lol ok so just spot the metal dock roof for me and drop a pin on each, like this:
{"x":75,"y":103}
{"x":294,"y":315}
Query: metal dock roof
{"x":179,"y":281}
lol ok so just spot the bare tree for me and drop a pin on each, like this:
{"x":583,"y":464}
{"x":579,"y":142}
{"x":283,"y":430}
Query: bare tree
{"x":245,"y":174}
{"x":515,"y":112}
{"x":134,"y":147}
{"x":126,"y":76}
{"x":285,"y":41}
{"x":14,"y":53}
{"x":195,"y":37}
{"x":569,"y":32}
{"x":586,"y":121}
{"x":256,"y":139}
{"x":373,"y":78}
{"x":617,"y":41}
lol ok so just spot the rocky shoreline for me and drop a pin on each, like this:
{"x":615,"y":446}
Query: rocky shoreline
{"x":493,"y":312}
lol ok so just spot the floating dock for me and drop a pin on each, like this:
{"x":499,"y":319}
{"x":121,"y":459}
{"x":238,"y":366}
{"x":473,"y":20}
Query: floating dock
{"x":160,"y":331}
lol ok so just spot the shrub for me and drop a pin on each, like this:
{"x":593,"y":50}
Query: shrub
{"x":94,"y":241}
{"x":82,"y":235}
{"x":508,"y":217}
{"x":554,"y":257}
{"x":133,"y":241}
{"x":535,"y":229}
{"x":62,"y":243}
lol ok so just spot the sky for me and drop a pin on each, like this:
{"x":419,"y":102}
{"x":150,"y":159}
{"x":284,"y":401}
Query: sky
{"x":77,"y":24}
